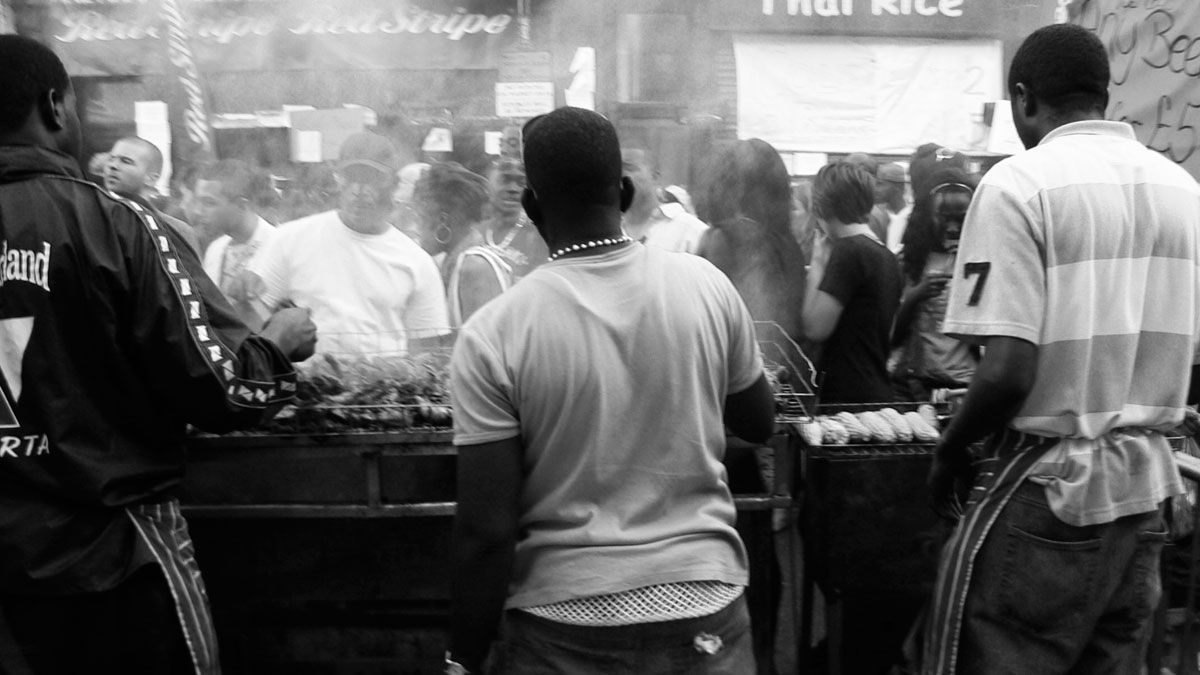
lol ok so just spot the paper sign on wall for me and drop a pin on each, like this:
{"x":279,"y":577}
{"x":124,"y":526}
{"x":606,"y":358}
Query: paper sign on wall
{"x":524,"y":99}
{"x":306,"y":146}
{"x":491,"y":142}
{"x":438,"y":140}
{"x":1152,"y":56}
{"x":877,"y":95}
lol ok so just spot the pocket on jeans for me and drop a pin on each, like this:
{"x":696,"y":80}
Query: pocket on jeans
{"x":1047,"y":584}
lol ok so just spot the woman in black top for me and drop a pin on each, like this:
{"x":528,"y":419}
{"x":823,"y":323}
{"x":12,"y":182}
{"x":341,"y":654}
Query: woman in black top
{"x":854,"y":288}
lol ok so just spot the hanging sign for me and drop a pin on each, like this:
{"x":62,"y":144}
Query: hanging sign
{"x":120,"y":37}
{"x":1154,"y":55}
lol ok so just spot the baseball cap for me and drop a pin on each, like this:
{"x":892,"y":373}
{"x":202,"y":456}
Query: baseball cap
{"x":891,"y":172}
{"x":369,"y":149}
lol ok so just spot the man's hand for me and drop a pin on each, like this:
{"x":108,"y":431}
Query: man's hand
{"x":950,"y":480}
{"x":293,"y":331}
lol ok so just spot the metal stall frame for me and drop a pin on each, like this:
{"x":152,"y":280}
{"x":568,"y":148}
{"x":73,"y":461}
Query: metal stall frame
{"x":371,"y":476}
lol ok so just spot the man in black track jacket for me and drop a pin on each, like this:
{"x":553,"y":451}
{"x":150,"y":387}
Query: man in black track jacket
{"x":112,"y":340}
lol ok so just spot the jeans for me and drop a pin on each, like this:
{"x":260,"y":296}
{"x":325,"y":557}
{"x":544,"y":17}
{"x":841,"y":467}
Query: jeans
{"x":1048,"y":597}
{"x":534,"y":646}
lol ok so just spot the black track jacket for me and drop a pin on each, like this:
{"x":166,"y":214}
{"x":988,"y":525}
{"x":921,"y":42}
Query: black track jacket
{"x":112,"y":340}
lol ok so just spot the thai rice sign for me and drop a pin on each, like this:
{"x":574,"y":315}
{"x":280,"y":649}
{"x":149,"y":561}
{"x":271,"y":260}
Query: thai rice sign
{"x":121,"y":37}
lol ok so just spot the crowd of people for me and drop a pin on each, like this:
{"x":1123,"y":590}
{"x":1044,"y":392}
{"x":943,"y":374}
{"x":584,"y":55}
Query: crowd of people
{"x":603,"y":347}
{"x":817,"y":258}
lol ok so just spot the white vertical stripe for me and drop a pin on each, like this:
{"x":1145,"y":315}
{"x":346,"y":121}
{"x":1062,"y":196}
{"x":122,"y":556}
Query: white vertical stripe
{"x":198,"y":629}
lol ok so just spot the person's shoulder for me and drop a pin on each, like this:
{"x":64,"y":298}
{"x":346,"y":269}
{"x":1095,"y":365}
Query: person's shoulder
{"x":302,"y":229}
{"x":1167,"y":173}
{"x":322,"y":219}
{"x":688,"y":221}
{"x":685,"y":268}
{"x":410,"y":249}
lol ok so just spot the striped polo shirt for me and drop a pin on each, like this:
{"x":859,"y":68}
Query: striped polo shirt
{"x":1086,"y":246}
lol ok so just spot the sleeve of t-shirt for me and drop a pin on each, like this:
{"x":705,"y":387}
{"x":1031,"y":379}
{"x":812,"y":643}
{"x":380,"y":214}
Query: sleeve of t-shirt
{"x":842,"y":273}
{"x":425,"y":314}
{"x":999,"y":277}
{"x":745,"y":359}
{"x":480,"y":392}
{"x":269,"y":264}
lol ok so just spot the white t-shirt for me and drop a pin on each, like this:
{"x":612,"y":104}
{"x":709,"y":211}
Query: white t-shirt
{"x":369,"y":293}
{"x":897,"y":224}
{"x":215,"y":263}
{"x":613,"y":369}
{"x":674,"y":229}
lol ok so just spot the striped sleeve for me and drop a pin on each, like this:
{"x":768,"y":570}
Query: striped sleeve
{"x":189,"y":344}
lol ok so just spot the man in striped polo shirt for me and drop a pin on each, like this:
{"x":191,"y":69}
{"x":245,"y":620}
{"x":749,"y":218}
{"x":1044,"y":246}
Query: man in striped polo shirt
{"x":1078,"y":272}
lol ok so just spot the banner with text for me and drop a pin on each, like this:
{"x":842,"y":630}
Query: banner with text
{"x":1154,"y":53}
{"x":121,"y":37}
{"x":929,"y":18}
{"x":819,"y":94}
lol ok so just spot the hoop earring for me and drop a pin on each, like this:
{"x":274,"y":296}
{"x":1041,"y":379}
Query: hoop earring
{"x":443,"y":233}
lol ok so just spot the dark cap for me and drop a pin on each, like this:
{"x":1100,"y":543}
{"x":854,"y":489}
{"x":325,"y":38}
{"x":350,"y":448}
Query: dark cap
{"x":369,"y":149}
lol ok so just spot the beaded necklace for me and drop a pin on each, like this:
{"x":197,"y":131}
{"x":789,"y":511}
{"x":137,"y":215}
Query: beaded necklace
{"x":594,"y":243}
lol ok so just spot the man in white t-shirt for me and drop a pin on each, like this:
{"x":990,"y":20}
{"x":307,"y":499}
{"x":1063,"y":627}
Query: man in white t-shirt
{"x":224,"y":202}
{"x":891,"y":182}
{"x":647,"y":220}
{"x":371,"y":288}
{"x":604,"y":525}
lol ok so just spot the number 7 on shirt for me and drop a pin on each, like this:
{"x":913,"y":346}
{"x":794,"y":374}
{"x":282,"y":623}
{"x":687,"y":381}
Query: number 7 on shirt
{"x":981,"y":270}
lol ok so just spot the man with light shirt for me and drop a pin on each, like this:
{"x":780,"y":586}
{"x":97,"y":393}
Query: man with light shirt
{"x":224,"y":202}
{"x":371,"y":288}
{"x":650,"y":221}
{"x":607,"y":534}
{"x":1078,"y":271}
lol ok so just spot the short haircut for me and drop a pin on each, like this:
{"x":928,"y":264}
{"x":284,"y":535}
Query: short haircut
{"x":238,"y":179}
{"x":156,"y":156}
{"x":746,"y":179}
{"x":573,"y":157}
{"x":29,"y":72}
{"x":843,"y":191}
{"x":1063,"y":65}
{"x":451,"y":187}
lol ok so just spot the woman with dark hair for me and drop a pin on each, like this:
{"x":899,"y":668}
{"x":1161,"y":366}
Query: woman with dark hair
{"x":449,"y":201}
{"x":930,"y":359}
{"x":854,"y":289}
{"x":746,"y":197}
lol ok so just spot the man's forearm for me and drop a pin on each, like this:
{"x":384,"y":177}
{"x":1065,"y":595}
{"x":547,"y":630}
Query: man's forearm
{"x":1001,"y":384}
{"x":985,"y":410}
{"x":481,"y":574}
